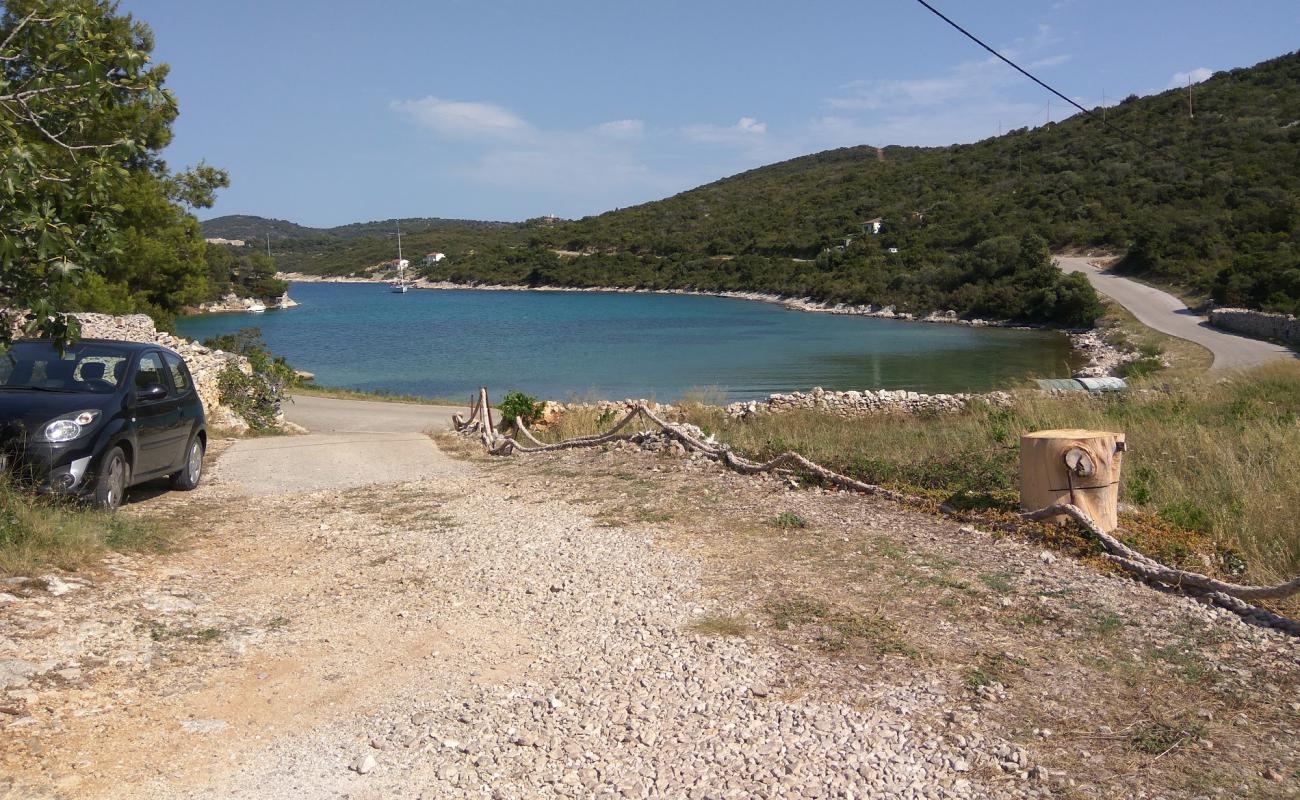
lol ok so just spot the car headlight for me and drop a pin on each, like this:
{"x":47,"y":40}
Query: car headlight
{"x":69,"y":427}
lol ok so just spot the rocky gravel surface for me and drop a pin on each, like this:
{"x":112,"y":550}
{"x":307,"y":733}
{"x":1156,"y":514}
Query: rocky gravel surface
{"x":549,"y":628}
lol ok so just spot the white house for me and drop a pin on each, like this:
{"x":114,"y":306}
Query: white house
{"x":433,"y":258}
{"x":872,"y":226}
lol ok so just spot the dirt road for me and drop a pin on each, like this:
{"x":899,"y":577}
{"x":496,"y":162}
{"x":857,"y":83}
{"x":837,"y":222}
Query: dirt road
{"x":611,"y":623}
{"x":1168,"y":314}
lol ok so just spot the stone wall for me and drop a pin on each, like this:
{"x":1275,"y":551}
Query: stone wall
{"x":1258,"y":324}
{"x":854,"y":403}
{"x":205,"y":363}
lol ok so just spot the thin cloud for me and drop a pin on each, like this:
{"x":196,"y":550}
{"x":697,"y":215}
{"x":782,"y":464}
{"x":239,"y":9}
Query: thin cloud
{"x":462,"y":119}
{"x":622,"y":129}
{"x":747,"y":130}
{"x":1197,"y":75}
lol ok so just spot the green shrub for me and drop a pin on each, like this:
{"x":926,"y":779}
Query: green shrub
{"x":254,"y":397}
{"x":1186,"y":514}
{"x":517,"y":405}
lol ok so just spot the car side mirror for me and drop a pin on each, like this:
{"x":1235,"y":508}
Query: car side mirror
{"x":154,"y":391}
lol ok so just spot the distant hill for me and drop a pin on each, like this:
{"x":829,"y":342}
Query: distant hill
{"x":1212,"y":205}
{"x":243,"y":226}
{"x":1208,"y":203}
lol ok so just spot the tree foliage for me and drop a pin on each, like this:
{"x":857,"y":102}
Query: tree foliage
{"x":92,"y":218}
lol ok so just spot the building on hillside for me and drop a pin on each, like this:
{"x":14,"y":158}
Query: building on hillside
{"x":433,"y":258}
{"x":873,"y":226}
{"x":396,"y":263}
{"x":231,"y":242}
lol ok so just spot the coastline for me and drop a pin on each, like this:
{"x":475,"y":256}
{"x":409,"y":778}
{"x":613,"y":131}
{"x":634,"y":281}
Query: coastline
{"x":1101,"y":357}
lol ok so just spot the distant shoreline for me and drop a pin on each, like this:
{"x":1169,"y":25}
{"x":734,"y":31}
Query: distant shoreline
{"x":1102,"y":357}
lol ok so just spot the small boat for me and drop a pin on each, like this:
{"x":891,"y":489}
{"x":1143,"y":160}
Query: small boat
{"x":256,"y":307}
{"x":400,"y":285}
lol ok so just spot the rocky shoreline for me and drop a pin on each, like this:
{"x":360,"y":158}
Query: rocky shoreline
{"x":233,"y":303}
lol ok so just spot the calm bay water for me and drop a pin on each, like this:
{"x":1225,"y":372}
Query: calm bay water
{"x":610,"y":345}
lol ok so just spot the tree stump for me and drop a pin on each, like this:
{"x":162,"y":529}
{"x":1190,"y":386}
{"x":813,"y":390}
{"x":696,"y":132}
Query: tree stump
{"x":1080,"y":467}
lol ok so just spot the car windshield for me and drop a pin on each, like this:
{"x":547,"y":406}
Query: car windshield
{"x":84,"y":367}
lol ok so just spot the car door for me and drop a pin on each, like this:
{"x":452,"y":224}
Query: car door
{"x":156,"y":418}
{"x":187,"y":403}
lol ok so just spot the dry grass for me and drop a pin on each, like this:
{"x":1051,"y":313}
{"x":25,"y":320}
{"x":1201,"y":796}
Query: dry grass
{"x":1186,"y":359}
{"x":1213,"y":468}
{"x":36,"y":535}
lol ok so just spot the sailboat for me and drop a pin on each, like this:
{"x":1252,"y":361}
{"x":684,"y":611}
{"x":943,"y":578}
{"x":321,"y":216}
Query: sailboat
{"x":400,"y":285}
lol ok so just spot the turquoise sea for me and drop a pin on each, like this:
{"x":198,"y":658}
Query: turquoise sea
{"x":609,"y":345}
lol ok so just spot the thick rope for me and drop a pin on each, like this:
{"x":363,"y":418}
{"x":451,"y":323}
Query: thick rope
{"x":1227,"y":595}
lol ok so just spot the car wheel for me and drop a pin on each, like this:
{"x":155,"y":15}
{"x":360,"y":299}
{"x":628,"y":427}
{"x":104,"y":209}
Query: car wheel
{"x":188,"y":477}
{"x":110,"y":486}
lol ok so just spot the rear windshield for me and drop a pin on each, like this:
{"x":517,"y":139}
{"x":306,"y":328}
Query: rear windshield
{"x":83,"y":367}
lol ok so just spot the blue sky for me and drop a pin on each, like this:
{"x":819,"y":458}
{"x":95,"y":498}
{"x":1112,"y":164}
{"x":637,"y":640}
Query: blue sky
{"x":331,"y":112}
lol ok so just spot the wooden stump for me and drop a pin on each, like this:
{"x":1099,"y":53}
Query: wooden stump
{"x":1081,"y":467}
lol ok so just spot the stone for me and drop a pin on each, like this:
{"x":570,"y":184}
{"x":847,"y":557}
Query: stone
{"x":57,"y":586}
{"x":363,"y":764}
{"x":203,"y":725}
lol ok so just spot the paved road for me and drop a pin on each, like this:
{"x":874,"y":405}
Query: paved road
{"x":1167,"y":314}
{"x":350,"y":443}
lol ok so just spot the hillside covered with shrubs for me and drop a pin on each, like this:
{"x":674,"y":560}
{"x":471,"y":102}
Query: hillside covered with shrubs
{"x":1206,"y":203}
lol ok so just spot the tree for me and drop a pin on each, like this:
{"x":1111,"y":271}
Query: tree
{"x":89,"y":217}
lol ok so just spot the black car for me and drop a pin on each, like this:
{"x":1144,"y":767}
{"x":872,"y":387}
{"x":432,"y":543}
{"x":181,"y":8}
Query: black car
{"x":99,"y":417}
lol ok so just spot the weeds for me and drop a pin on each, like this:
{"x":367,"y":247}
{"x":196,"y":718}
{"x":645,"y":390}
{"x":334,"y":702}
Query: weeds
{"x":720,"y":626}
{"x":1157,"y":737}
{"x":36,"y":533}
{"x":160,"y":633}
{"x":997,"y":581}
{"x":838,"y":630}
{"x":787,"y":520}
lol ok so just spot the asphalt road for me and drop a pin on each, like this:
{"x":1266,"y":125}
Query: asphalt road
{"x":350,"y":443}
{"x":1168,"y":314}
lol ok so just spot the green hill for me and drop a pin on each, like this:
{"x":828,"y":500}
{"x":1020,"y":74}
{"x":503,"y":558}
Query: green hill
{"x":1207,"y":204}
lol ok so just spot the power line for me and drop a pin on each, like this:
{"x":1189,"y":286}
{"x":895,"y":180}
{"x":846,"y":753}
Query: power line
{"x":1031,"y":77}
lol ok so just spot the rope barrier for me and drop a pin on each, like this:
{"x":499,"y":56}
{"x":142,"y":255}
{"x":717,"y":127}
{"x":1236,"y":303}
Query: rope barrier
{"x":1231,"y":596}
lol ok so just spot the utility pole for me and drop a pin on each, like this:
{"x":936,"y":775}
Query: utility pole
{"x":1191,"y":112}
{"x":1103,"y":105}
{"x":268,"y":245}
{"x":1049,"y":111}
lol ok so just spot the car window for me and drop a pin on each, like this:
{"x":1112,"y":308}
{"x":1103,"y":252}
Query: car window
{"x":177,"y":369}
{"x":101,"y":372}
{"x":150,"y":371}
{"x":94,"y":367}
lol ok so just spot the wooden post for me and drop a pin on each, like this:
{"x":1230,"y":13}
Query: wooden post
{"x":1081,"y":467}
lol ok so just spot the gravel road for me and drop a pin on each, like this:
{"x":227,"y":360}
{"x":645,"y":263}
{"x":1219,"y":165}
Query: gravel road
{"x":1168,"y":314}
{"x":541,"y":628}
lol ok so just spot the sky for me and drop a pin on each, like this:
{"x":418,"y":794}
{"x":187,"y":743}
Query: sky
{"x":328,"y":112}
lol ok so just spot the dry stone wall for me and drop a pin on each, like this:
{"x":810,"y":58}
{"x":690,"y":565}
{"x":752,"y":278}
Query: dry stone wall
{"x":855,"y":403}
{"x":1258,"y":324}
